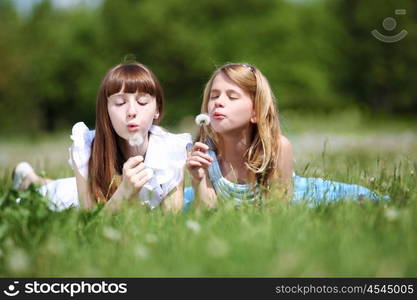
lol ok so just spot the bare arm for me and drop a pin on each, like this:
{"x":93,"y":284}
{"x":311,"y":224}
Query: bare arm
{"x":205,"y":193}
{"x":174,"y":201}
{"x":135,"y":175}
{"x":198,"y":162}
{"x":82,"y":188}
{"x":285,"y":167}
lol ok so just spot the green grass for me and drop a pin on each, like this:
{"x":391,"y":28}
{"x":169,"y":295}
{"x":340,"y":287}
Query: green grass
{"x":339,"y":239}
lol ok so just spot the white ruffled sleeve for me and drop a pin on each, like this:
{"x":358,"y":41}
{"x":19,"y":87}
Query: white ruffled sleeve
{"x":166,"y":155}
{"x":82,"y":139}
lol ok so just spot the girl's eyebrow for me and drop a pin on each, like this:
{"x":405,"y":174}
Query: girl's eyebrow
{"x":227,"y":91}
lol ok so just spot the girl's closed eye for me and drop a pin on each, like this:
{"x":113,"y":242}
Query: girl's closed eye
{"x":120,"y":102}
{"x":214,"y":95}
{"x":143,"y":99}
{"x":234,"y":96}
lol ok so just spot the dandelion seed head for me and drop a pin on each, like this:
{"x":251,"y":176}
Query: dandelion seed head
{"x":202,"y":119}
{"x":136,"y":140}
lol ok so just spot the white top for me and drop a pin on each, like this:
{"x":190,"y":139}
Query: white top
{"x":166,"y":155}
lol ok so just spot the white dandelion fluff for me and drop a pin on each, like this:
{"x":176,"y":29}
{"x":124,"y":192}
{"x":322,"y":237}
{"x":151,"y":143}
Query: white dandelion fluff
{"x":136,"y":140}
{"x":202,"y":119}
{"x":193,"y":225}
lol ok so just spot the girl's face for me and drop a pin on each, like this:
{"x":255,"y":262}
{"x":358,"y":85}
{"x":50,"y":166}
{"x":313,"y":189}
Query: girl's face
{"x":132,"y":113}
{"x":230,"y":108}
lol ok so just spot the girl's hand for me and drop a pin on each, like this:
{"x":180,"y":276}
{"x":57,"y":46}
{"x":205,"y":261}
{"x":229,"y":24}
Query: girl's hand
{"x":135,"y":175}
{"x":198,"y":161}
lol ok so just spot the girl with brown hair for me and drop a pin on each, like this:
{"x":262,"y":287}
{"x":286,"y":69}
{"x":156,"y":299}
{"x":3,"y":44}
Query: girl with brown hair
{"x":127,"y":157}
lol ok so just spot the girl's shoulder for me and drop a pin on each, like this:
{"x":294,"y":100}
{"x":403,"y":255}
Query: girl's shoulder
{"x":81,"y":134}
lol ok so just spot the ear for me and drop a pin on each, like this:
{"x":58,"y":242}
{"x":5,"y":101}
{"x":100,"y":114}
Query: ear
{"x":156,"y":116}
{"x":253,"y":119}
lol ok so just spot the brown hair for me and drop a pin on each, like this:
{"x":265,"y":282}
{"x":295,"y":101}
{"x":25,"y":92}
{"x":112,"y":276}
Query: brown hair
{"x":106,"y":161}
{"x":262,"y":155}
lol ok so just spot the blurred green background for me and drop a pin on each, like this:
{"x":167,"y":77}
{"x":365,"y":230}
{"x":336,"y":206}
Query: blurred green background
{"x":318,"y":55}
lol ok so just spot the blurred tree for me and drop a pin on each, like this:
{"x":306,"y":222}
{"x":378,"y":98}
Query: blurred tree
{"x":318,"y":55}
{"x":13,"y":107}
{"x":378,"y":74}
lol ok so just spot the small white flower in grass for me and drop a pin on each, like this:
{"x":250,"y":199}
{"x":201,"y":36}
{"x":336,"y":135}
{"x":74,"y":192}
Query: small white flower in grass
{"x":193,"y":225}
{"x":202,"y":119}
{"x":111,"y":233}
{"x":151,"y":238}
{"x":217,"y":247}
{"x":136,"y":140}
{"x":392,"y":214}
{"x":54,"y":246}
{"x":18,"y":261}
{"x":372,"y":179}
{"x":141,"y":251}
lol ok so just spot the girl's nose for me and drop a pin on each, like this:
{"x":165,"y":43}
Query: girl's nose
{"x":219,"y":102}
{"x":131,"y":110}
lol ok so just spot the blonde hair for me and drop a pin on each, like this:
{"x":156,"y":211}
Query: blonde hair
{"x":262,"y":155}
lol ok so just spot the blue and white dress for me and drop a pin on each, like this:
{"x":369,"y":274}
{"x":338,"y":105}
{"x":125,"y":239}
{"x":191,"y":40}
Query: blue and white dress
{"x":166,"y":155}
{"x":310,"y":190}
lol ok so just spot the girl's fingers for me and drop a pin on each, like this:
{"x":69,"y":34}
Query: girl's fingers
{"x":137,"y":169}
{"x":202,"y":155}
{"x":202,"y":161}
{"x":199,"y":146}
{"x":132,"y":162}
{"x":141,"y":178}
{"x":193,"y":163}
{"x":142,"y":182}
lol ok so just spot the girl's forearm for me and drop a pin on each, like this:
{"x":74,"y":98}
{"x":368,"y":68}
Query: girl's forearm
{"x":118,"y":198}
{"x":174,"y":201}
{"x":205,"y":193}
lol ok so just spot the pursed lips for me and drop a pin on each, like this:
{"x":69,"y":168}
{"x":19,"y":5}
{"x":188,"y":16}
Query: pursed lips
{"x":218,"y":116}
{"x":132,"y":126}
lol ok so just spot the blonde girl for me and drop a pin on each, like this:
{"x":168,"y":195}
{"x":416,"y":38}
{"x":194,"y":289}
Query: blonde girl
{"x":242,"y":154}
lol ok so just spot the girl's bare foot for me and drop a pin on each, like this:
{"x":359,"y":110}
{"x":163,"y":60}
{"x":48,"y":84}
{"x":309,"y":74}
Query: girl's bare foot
{"x":23,"y":176}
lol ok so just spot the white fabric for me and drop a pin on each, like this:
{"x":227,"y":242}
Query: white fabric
{"x":165,"y":156}
{"x":62,"y":193}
